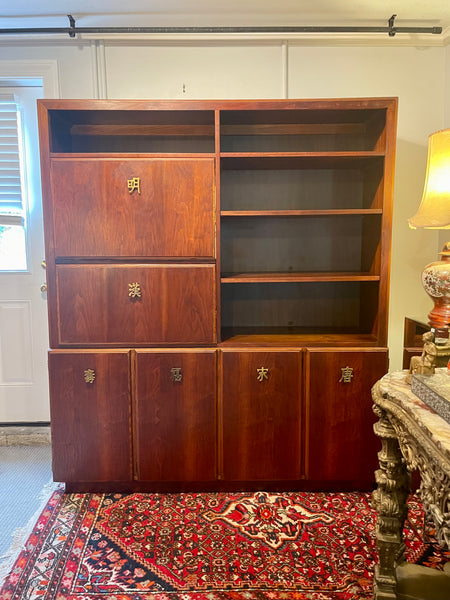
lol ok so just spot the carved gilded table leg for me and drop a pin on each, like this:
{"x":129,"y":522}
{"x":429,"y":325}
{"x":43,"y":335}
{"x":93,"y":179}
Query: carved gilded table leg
{"x":389,"y":500}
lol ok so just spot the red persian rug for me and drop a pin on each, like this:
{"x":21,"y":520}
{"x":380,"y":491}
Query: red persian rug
{"x":219,"y":546}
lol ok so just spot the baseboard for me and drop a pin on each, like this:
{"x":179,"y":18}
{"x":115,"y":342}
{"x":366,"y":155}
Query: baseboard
{"x":37,"y":434}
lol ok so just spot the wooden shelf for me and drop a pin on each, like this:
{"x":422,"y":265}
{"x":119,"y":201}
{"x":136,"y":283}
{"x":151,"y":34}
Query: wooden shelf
{"x":296,"y":277}
{"x":294,"y":129}
{"x":301,"y":213}
{"x":143,"y":130}
{"x":295,"y":338}
{"x":129,"y":155}
{"x":356,"y":154}
{"x":298,"y":160}
{"x":208,"y":130}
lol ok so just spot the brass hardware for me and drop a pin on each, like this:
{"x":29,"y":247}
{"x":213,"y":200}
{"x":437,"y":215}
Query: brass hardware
{"x":263,"y":373}
{"x":176,"y":374}
{"x":43,"y":287}
{"x":134,"y":290}
{"x":134,"y":184}
{"x":89,"y":375}
{"x":347,"y":374}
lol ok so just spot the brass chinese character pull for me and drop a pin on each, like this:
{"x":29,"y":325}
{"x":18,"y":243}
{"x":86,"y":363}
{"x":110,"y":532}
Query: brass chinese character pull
{"x":89,"y":375}
{"x":134,"y":184}
{"x":134,"y":290}
{"x":347,"y":374}
{"x":176,"y":374}
{"x":263,"y":373}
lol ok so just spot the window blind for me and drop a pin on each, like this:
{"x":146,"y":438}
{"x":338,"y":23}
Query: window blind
{"x":11,"y":200}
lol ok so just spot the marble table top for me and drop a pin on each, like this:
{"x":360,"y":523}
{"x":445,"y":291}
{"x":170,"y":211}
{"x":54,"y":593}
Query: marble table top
{"x":394,"y":387}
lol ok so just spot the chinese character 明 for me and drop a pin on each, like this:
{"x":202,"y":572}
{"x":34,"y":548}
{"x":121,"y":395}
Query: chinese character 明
{"x":134,"y":290}
{"x":134,"y":184}
{"x":263,"y":373}
{"x":176,"y":374}
{"x":89,"y":376}
{"x":347,"y":374}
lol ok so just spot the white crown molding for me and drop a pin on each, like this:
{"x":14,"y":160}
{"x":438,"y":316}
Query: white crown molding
{"x":301,"y":39}
{"x":47,"y":70}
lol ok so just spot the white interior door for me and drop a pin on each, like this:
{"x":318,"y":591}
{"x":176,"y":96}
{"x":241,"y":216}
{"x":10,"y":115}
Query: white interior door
{"x":23,"y":306}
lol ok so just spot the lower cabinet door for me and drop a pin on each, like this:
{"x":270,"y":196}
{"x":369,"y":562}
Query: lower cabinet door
{"x":90,"y":415}
{"x":261,"y":415}
{"x":175,"y":416}
{"x":340,"y":443}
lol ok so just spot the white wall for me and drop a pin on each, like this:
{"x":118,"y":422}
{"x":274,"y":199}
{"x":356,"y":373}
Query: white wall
{"x":205,"y":71}
{"x":420,"y":77}
{"x":75,"y":63}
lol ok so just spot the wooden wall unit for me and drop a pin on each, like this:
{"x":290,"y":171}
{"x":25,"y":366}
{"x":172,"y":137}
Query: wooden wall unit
{"x":231,"y":256}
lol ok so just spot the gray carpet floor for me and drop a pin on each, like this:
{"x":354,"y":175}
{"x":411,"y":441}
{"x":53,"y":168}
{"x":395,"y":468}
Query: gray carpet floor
{"x":24,"y":471}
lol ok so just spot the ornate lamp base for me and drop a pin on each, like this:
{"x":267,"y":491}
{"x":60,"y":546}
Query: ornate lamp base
{"x":436,"y":281}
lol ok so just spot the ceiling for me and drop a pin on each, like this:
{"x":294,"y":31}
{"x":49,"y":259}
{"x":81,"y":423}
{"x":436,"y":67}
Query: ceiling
{"x":225,"y":13}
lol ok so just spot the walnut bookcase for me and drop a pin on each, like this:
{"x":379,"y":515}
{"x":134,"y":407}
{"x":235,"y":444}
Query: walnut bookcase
{"x":222,"y":268}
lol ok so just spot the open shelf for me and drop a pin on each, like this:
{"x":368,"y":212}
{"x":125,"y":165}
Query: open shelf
{"x":123,"y":131}
{"x":332,"y":306}
{"x":313,"y":244}
{"x":302,"y":130}
{"x":288,"y":183}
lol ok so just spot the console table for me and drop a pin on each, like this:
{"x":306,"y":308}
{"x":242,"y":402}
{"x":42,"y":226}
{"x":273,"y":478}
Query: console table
{"x":413,"y":437}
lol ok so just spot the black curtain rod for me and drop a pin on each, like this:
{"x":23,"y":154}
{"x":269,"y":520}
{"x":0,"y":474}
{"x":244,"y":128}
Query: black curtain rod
{"x":72,"y":31}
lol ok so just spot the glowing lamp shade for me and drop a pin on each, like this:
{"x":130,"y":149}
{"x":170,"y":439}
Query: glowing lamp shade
{"x":434,"y":213}
{"x":434,"y":210}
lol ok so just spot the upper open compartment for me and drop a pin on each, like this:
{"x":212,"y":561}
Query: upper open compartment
{"x":136,"y":131}
{"x":299,"y":130}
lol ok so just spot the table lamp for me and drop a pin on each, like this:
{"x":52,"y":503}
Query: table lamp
{"x":434,"y":213}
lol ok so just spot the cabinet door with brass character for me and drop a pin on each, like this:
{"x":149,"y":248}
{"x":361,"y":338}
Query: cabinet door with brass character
{"x":133,"y":207}
{"x":340,"y":443}
{"x":261,"y":415}
{"x":90,"y":415}
{"x":176,"y":415}
{"x":128,"y":305}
